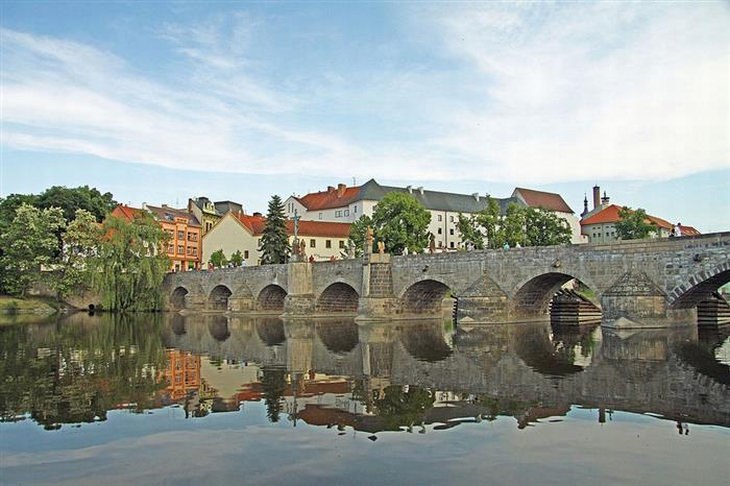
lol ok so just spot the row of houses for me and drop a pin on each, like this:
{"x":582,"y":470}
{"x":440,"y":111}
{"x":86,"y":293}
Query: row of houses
{"x":324,"y":219}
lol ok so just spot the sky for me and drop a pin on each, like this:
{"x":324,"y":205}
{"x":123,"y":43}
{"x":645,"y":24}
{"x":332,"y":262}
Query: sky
{"x":161,"y":101}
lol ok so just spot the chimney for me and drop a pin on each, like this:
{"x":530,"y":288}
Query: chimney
{"x":420,"y":189}
{"x":330,"y":189}
{"x":164,"y":205}
{"x":476,"y":196}
{"x":605,"y":199}
{"x":341,"y":189}
{"x":410,"y":189}
{"x":596,"y":197}
{"x":257,"y":215}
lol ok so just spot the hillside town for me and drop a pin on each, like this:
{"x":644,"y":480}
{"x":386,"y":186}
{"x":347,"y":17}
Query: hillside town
{"x":323,"y":221}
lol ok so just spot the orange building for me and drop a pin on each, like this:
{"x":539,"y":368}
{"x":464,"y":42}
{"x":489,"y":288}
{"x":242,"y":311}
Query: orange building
{"x":182,"y":374}
{"x":184,"y":247}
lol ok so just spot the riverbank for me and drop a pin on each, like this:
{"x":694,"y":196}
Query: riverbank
{"x":14,"y":309}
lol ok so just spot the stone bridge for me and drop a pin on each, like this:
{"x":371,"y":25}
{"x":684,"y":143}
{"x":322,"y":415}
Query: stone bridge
{"x":636,"y":283}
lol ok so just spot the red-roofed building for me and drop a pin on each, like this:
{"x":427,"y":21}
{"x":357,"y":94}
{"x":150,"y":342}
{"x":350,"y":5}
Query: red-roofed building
{"x":183,"y":247}
{"x":600,"y":226}
{"x":242,"y":232}
{"x":551,"y":202}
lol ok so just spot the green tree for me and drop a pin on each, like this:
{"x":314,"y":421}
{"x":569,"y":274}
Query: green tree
{"x":633,"y":225}
{"x":72,"y":199}
{"x":218,"y":259}
{"x":489,"y":219}
{"x":80,"y":243}
{"x":471,"y":235}
{"x":273,"y":384}
{"x":29,"y":245}
{"x":358,"y":230}
{"x":275,"y":240}
{"x":130,"y":264}
{"x":545,"y":228}
{"x":237,"y":258}
{"x":401,"y":222}
{"x":513,"y":224}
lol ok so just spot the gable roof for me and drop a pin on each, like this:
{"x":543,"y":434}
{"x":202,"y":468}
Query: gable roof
{"x":255,"y":225}
{"x":540,"y":199}
{"x":343,"y":196}
{"x":610,"y":215}
{"x":126,"y":212}
{"x":168,"y":214}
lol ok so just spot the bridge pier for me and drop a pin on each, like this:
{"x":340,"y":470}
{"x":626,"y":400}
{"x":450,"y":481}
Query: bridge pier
{"x":377,"y":301}
{"x":483,"y":309}
{"x":196,"y":302}
{"x":300,"y":300}
{"x":241,"y":304}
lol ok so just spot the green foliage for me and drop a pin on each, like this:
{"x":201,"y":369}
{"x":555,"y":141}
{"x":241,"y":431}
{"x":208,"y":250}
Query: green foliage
{"x":633,"y":225}
{"x":519,"y":225}
{"x":401,"y":222}
{"x":130,"y":264}
{"x":400,"y":407}
{"x":218,"y":259}
{"x":358,"y":230}
{"x":29,"y":244}
{"x":545,"y":228}
{"x":72,"y":199}
{"x":469,"y":231}
{"x":237,"y":258}
{"x":275,"y":240}
{"x":80,"y":243}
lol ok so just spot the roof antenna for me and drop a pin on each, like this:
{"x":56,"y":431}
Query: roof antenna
{"x":354,"y":181}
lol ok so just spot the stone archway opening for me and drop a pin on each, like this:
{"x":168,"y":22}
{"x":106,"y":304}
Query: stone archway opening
{"x":428,"y":297}
{"x":177,"y":299}
{"x":218,"y":328}
{"x":566,"y":299}
{"x":271,"y":298}
{"x":706,"y":296}
{"x":218,"y":299}
{"x":338,"y":298}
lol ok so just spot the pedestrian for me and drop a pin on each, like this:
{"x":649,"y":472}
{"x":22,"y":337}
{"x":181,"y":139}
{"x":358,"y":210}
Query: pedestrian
{"x":505,"y":247}
{"x":678,"y":230}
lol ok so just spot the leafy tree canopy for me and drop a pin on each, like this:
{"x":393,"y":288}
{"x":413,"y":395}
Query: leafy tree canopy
{"x":72,"y":199}
{"x":275,"y":240}
{"x":358,"y":230}
{"x":401,"y":222}
{"x":218,"y":259}
{"x":237,"y":258}
{"x":633,"y":224}
{"x":29,"y":244}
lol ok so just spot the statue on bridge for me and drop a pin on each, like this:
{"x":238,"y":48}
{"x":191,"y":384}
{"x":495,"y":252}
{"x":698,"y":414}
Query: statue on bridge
{"x":369,"y":241}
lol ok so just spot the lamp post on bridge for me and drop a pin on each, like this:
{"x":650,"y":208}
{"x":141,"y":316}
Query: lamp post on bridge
{"x":295,"y":243}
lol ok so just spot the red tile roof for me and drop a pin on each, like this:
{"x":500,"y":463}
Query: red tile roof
{"x":255,"y":224}
{"x":545,"y":200}
{"x":610,"y":215}
{"x":126,"y":212}
{"x":689,"y":231}
{"x":331,"y":198}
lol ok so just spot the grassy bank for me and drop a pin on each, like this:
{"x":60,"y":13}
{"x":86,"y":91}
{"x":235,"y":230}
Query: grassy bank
{"x":32,"y":305}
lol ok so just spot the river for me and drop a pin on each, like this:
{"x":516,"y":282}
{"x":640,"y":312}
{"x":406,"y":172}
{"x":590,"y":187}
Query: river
{"x":214,"y":399}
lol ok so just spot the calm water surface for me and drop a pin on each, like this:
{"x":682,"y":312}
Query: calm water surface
{"x":230,"y":400}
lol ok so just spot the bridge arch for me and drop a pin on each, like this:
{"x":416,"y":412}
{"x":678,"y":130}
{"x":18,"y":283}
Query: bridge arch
{"x":271,"y":298}
{"x":218,"y":328}
{"x":218,"y":298}
{"x":424,"y":297}
{"x":271,"y":331}
{"x":699,"y":287}
{"x":177,"y":299}
{"x":533,"y":296}
{"x":339,"y":337}
{"x":338,"y":297}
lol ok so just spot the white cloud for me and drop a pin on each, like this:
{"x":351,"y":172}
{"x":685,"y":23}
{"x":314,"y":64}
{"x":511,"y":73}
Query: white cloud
{"x":509,"y":92}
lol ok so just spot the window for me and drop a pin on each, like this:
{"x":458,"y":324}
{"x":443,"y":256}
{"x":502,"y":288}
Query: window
{"x":342,"y":244}
{"x":245,"y":254}
{"x":180,"y":250}
{"x":441,"y":244}
{"x":195,"y":252}
{"x":328,"y":243}
{"x":180,"y":234}
{"x":451,"y":231}
{"x":354,"y":210}
{"x":170,"y":248}
{"x":440,"y":218}
{"x":451,"y":244}
{"x":208,"y":226}
{"x":440,"y":230}
{"x":451,"y":218}
{"x":320,"y":215}
{"x":347,"y":212}
{"x":338,"y":214}
{"x":312,"y":243}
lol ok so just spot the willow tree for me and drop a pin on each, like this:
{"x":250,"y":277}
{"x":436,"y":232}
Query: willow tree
{"x":130,"y":264}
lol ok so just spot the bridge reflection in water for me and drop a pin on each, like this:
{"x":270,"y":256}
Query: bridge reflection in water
{"x":372,"y":377}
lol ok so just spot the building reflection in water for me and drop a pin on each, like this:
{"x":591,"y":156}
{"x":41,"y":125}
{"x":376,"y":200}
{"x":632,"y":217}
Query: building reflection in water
{"x":372,"y":377}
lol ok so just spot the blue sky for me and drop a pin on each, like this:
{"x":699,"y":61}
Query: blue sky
{"x":160,"y":101}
